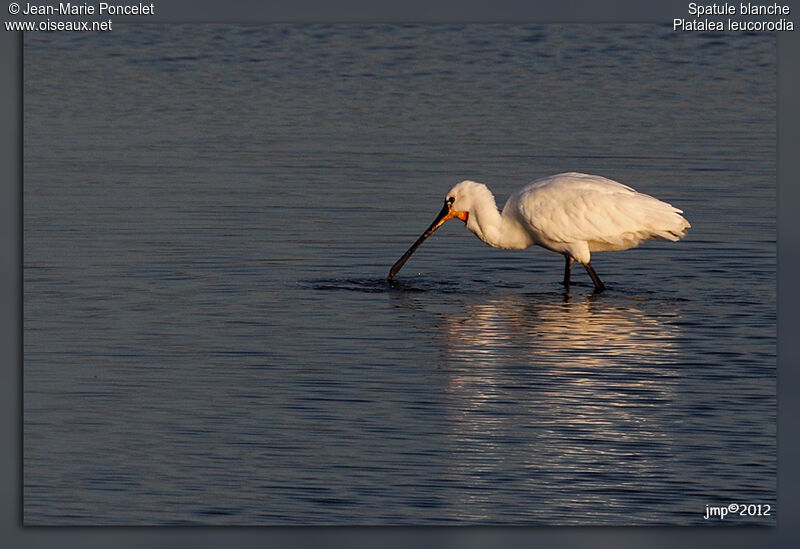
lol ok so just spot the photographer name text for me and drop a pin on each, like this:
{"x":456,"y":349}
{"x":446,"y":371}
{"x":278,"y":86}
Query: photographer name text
{"x":103,"y":8}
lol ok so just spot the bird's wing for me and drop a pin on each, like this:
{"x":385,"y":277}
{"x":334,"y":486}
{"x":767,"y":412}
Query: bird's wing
{"x":596,"y":209}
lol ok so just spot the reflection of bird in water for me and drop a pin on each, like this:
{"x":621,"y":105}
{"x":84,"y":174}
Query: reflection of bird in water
{"x":573,"y":355}
{"x":567,"y":401}
{"x":588,"y":332}
{"x":573,"y":214}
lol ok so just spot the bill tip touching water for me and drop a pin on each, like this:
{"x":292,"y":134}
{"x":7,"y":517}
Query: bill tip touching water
{"x":572,"y":214}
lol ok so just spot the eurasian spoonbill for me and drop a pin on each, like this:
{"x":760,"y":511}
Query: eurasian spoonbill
{"x":573,"y":214}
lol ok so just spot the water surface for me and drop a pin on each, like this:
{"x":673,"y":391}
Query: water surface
{"x":209,"y":215}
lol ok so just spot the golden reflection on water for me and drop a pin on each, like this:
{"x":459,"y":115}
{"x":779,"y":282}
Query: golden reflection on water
{"x":591,"y":330}
{"x":568,"y":400}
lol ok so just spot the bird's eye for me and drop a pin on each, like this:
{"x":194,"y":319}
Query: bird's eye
{"x":451,"y":199}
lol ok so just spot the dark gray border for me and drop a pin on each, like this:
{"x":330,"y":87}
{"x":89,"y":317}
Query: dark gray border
{"x":13,"y":535}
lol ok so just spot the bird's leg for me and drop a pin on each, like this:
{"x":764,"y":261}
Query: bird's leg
{"x":598,"y":284}
{"x":567,"y":269}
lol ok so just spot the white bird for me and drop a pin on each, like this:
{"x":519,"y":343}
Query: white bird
{"x":573,"y":214}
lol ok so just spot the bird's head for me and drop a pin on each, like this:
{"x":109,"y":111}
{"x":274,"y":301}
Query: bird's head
{"x":456,"y":205}
{"x":466,"y":199}
{"x":463,"y":198}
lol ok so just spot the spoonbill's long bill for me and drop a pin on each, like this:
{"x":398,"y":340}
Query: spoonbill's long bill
{"x":573,"y":214}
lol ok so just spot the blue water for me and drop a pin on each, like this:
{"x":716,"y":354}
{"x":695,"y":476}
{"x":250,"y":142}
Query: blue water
{"x":209,"y":216}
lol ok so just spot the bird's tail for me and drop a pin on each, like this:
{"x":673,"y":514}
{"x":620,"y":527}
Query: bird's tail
{"x":673,"y":226}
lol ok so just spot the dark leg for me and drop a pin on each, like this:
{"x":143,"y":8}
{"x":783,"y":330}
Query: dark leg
{"x":598,"y":284}
{"x":567,"y":269}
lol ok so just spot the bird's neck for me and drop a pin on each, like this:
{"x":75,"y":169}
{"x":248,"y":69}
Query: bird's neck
{"x":496,"y":229}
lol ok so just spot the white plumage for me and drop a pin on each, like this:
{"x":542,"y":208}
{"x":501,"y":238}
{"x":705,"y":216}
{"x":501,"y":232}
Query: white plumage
{"x":573,"y":214}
